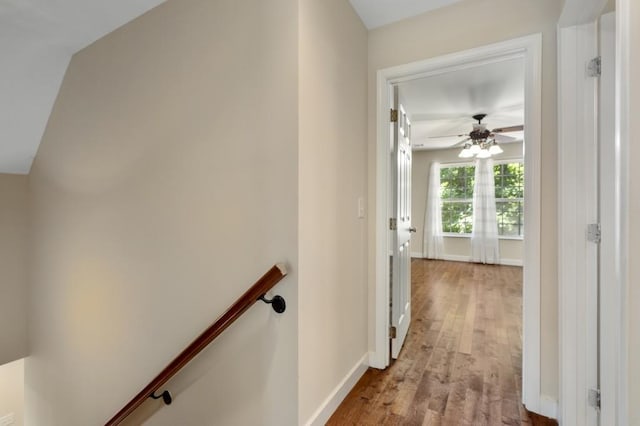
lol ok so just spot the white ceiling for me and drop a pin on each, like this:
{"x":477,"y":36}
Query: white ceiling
{"x":444,"y":104}
{"x":376,"y":13}
{"x":37,"y":40}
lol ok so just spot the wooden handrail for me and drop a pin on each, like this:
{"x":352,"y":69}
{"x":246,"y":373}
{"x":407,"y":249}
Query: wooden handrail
{"x":264,"y":284}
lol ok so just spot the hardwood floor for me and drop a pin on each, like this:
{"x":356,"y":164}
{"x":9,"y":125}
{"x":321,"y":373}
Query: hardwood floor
{"x":461,"y":362}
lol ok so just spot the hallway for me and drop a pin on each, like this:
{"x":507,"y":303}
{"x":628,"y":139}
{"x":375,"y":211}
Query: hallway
{"x":461,"y":362}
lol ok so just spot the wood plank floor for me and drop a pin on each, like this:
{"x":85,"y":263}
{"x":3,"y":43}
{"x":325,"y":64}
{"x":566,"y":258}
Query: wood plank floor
{"x":461,"y":362}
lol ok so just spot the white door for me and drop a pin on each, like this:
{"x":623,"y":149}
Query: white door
{"x":400,"y":226}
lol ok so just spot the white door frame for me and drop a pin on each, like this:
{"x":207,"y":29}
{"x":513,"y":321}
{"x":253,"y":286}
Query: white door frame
{"x":613,"y":300}
{"x":530,"y":49}
{"x":610,"y":295}
{"x":623,"y":114}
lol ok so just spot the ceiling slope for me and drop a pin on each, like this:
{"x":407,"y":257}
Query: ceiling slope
{"x":37,"y":40}
{"x":376,"y":13}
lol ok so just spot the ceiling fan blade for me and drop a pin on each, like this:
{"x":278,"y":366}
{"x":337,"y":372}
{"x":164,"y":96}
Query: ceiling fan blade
{"x":509,"y":129}
{"x":500,"y":138}
{"x":448,"y":136}
{"x":462,"y":142}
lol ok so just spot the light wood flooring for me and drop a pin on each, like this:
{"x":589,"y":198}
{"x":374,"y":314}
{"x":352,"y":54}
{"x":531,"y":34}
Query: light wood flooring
{"x":461,"y":362}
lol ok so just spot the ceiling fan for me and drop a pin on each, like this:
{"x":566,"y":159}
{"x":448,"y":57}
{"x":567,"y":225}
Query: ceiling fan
{"x":481,"y":142}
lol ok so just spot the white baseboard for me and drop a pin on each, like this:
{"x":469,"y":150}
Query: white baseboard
{"x":329,"y":405}
{"x":460,"y":258}
{"x":548,"y":407}
{"x":511,"y":262}
{"x":456,"y":258}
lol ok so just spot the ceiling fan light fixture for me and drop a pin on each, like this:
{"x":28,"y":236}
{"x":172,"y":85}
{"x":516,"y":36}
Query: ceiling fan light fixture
{"x":484,"y":153}
{"x":482,"y":140}
{"x":495,"y":149}
{"x":466,"y":152}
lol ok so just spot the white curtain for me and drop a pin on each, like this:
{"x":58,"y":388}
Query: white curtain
{"x":432,"y":243}
{"x":484,"y":237}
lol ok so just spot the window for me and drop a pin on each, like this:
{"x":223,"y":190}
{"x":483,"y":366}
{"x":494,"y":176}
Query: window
{"x":509,"y":179}
{"x":456,"y":192}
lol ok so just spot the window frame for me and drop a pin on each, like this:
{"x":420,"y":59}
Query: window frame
{"x":472,"y":164}
{"x":506,"y":200}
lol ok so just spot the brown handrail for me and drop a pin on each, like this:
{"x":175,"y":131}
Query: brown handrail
{"x":264,"y":284}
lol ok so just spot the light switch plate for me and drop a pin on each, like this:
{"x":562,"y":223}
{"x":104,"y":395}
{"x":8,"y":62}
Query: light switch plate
{"x":360,"y":207}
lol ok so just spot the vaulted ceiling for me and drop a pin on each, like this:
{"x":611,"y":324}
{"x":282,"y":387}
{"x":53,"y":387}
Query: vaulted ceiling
{"x":38,"y":38}
{"x":376,"y":13}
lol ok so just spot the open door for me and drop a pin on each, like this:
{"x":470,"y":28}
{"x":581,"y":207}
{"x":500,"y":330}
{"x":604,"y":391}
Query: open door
{"x":400,"y":226}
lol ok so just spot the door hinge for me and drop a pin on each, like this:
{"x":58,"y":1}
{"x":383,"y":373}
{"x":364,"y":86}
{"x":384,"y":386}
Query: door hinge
{"x":594,"y":234}
{"x":594,"y":398}
{"x":394,"y":116}
{"x":594,"y":69}
{"x":392,"y":332}
{"x":393,"y":223}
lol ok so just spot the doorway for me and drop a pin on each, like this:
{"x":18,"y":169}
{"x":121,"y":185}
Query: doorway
{"x":528,"y":49}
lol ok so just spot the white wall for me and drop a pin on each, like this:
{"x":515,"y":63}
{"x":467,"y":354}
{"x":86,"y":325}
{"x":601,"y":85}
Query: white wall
{"x":332,"y":170}
{"x":12,"y":391}
{"x":455,"y":248}
{"x":165,"y":185}
{"x":13,"y":267}
{"x":461,"y":26}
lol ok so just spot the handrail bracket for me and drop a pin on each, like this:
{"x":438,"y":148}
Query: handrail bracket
{"x":166,"y":397}
{"x":277,"y":303}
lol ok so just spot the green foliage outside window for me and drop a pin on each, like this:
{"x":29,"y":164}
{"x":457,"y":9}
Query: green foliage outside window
{"x":456,"y":192}
{"x":509,"y":183}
